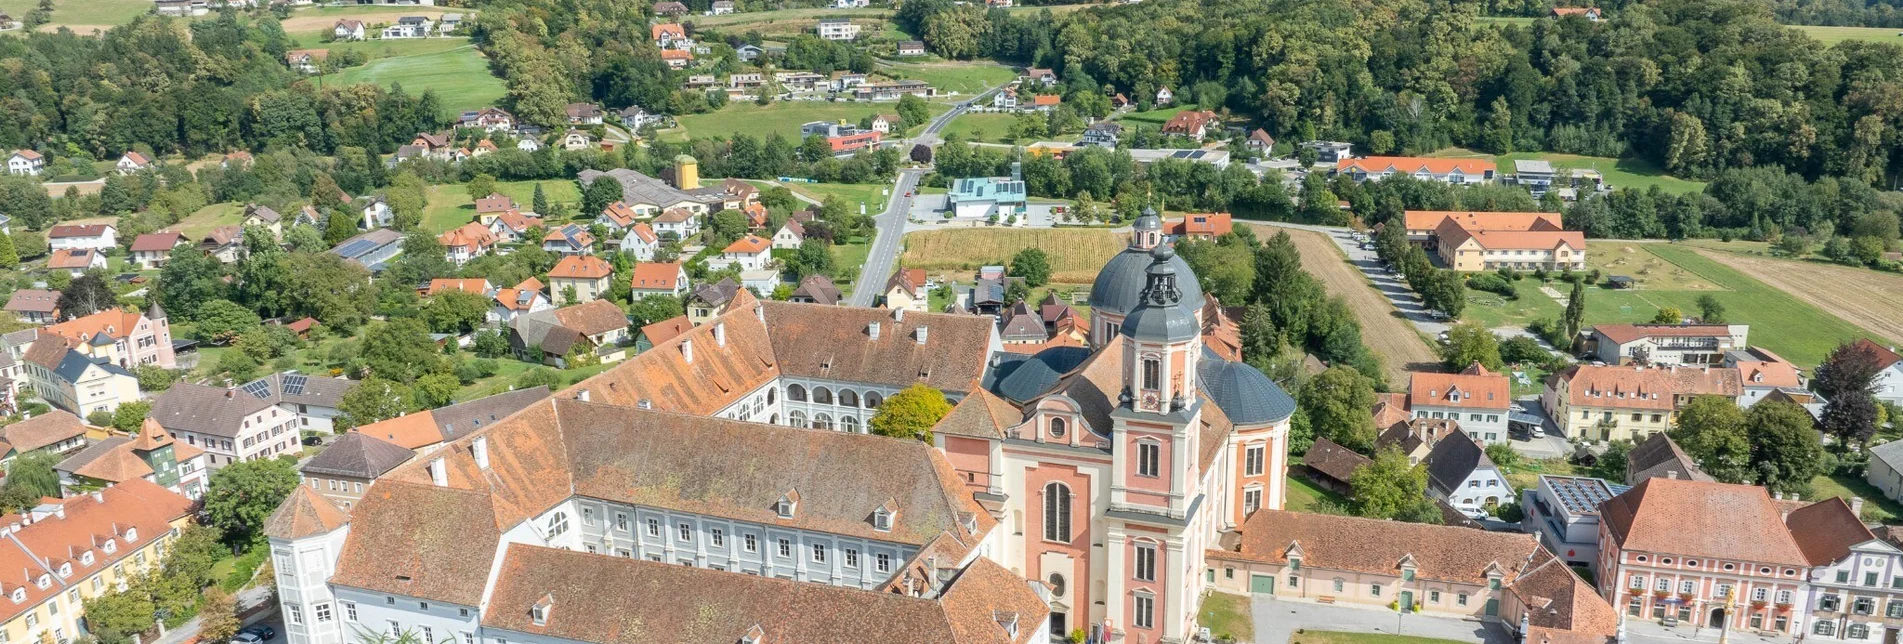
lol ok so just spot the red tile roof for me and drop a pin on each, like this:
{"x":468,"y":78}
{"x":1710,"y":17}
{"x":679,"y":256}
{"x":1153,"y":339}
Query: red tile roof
{"x":667,"y":329}
{"x":656,"y":276}
{"x":475,"y":285}
{"x":1411,"y":165}
{"x":1474,"y":388}
{"x":581,"y":267}
{"x":749,"y":245}
{"x":77,"y":230}
{"x":162,"y":241}
{"x":1624,"y":333}
{"x":495,"y":202}
{"x":1377,"y":546}
{"x":1630,"y":387}
{"x":1702,"y":519}
{"x":1432,"y":219}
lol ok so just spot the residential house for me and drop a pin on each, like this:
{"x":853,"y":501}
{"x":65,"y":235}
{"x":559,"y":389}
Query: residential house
{"x":492,"y":206}
{"x":467,"y":242}
{"x":1468,"y":250}
{"x":911,"y":48}
{"x":658,"y":278}
{"x":596,"y":327}
{"x":1763,"y":373}
{"x":511,"y":226}
{"x":264,"y":217}
{"x":1164,"y":96}
{"x":837,"y":29}
{"x":56,"y":432}
{"x":640,"y":241}
{"x":151,"y":250}
{"x":713,"y":300}
{"x":1203,"y":226}
{"x":1194,"y":124}
{"x":449,"y":23}
{"x":1423,"y":226}
{"x":617,"y":217}
{"x":493,"y":119}
{"x":906,"y":290}
{"x":579,"y":279}
{"x":371,"y":249}
{"x":306,"y":61}
{"x":69,"y":551}
{"x":790,"y":235}
{"x":34,"y":306}
{"x":751,"y":253}
{"x":816,"y":289}
{"x":1444,"y":170}
{"x":1887,"y":386}
{"x":894,"y":90}
{"x":660,"y":332}
{"x":1708,"y":554}
{"x":1658,"y":456}
{"x":93,"y":236}
{"x":677,"y":58}
{"x":1413,"y":437}
{"x":409,"y":27}
{"x":122,"y":337}
{"x":584,"y":114}
{"x":1666,"y":344}
{"x":1563,"y":511}
{"x":224,"y":243}
{"x":1459,"y":472}
{"x":1535,"y":174}
{"x":258,"y":419}
{"x":670,"y":8}
{"x":355,"y":460}
{"x":570,"y":239}
{"x":25,"y":162}
{"x":67,"y":379}
{"x":1102,"y":134}
{"x":887,"y":124}
{"x":1478,"y":398}
{"x":518,"y":300}
{"x":1005,"y":98}
{"x":376,"y":213}
{"x":1591,"y":14}
{"x":749,"y":52}
{"x":131,"y":162}
{"x":151,"y":455}
{"x":1330,"y":152}
{"x":667,"y":34}
{"x":1042,"y":77}
{"x":1260,"y":141}
{"x":722,"y":7}
{"x":573,"y":140}
{"x":76,"y":261}
{"x":348,"y":30}
{"x":1628,"y":403}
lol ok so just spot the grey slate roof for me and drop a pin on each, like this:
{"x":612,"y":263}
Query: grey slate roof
{"x":1245,"y":395}
{"x":73,"y":365}
{"x":464,"y":417}
{"x":214,"y":411}
{"x":1019,"y":378}
{"x":1020,"y":324}
{"x":358,"y":455}
{"x":1890,"y":453}
{"x":717,"y":293}
{"x":1658,"y":456}
{"x":640,"y":188}
{"x":1453,"y":459}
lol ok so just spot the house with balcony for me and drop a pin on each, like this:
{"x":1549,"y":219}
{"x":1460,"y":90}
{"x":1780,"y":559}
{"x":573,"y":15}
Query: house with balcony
{"x":1666,"y":344}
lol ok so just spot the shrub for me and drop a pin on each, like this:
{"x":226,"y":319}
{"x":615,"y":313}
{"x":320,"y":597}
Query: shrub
{"x":1523,"y":349}
{"x":1493,"y":284}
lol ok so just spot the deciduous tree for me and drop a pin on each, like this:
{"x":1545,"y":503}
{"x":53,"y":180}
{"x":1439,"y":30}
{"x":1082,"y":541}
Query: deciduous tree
{"x":1712,"y":430}
{"x":243,"y":494}
{"x":911,"y":413}
{"x":1338,"y":402}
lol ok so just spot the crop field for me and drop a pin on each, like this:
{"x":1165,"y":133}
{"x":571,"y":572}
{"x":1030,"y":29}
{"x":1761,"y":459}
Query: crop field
{"x":1390,"y":336}
{"x":1076,"y":255}
{"x":460,"y":77}
{"x":1863,"y":297}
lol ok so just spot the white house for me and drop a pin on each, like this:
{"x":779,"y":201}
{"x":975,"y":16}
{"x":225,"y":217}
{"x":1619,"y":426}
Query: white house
{"x":680,"y":222}
{"x":751,"y":253}
{"x":837,"y":28}
{"x":1164,"y":96}
{"x":26,"y":162}
{"x":348,"y":30}
{"x":409,"y":27}
{"x":1855,"y":592}
{"x":93,"y":236}
{"x":1888,"y":384}
{"x":789,"y":236}
{"x":131,"y":162}
{"x":657,"y":278}
{"x":1459,"y":472}
{"x":376,"y":214}
{"x":1478,"y":398}
{"x":641,"y":242}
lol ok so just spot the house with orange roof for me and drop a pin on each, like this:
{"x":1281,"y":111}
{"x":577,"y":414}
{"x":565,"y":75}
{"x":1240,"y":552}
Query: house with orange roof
{"x":125,"y":338}
{"x":1422,"y":224}
{"x":641,"y":241}
{"x":467,"y":242}
{"x":1763,"y":372}
{"x":1454,"y":171}
{"x":1045,"y":102}
{"x":660,"y":332}
{"x":93,"y":236}
{"x":65,"y":552}
{"x":658,"y":278}
{"x":76,"y":261}
{"x":617,"y":217}
{"x":25,"y":162}
{"x":131,"y":162}
{"x":512,"y":226}
{"x":151,"y":250}
{"x":572,"y":239}
{"x":1194,"y":124}
{"x":1591,"y":402}
{"x":579,"y":279}
{"x":665,"y":34}
{"x":151,"y":455}
{"x":476,"y":286}
{"x":1478,"y":398}
{"x":677,"y":58}
{"x":1204,"y":226}
{"x":517,"y":300}
{"x":494,"y":204}
{"x":1468,"y":250}
{"x":1591,"y":14}
{"x":906,"y":290}
{"x":751,"y":253}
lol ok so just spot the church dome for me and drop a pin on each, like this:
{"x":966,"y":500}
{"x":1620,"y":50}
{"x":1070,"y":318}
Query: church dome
{"x":1243,"y":393}
{"x":1161,"y":314}
{"x":1119,"y":285}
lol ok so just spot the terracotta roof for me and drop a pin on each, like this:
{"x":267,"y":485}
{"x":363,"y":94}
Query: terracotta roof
{"x":1826,"y":530}
{"x":475,"y":285}
{"x":581,"y":267}
{"x":1432,"y":219}
{"x":33,"y":300}
{"x":70,"y":258}
{"x":422,"y":541}
{"x":517,"y":222}
{"x":982,"y":415}
{"x":1885,"y":356}
{"x":667,"y":329}
{"x":472,"y":234}
{"x":1389,"y":409}
{"x":620,"y":214}
{"x":1452,"y":234}
{"x":163,"y":241}
{"x":1213,"y":224}
{"x":749,"y":245}
{"x":512,"y":298}
{"x":1473,"y":388}
{"x":833,"y":342}
{"x":77,"y":230}
{"x":410,"y":431}
{"x":1188,"y":121}
{"x":29,"y":154}
{"x":1768,"y":373}
{"x":719,"y":374}
{"x":592,"y":317}
{"x":676,"y":54}
{"x":1411,"y":165}
{"x":1625,"y":333}
{"x":133,"y":508}
{"x":649,"y":599}
{"x":1659,"y":456}
{"x":115,"y":323}
{"x":656,"y":276}
{"x":674,"y":215}
{"x":1645,"y":387}
{"x":1702,"y":519}
{"x":1560,"y":607}
{"x":49,"y":428}
{"x":1378,"y":546}
{"x":1333,"y":460}
{"x":669,"y":28}
{"x":305,"y":513}
{"x":644,"y":232}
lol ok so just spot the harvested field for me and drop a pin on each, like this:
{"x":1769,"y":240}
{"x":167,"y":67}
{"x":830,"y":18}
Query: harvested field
{"x":1076,"y":254}
{"x":1868,"y":299}
{"x":1383,"y":329}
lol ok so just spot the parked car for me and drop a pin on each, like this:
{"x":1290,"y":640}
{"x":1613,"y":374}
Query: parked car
{"x":1538,"y":432}
{"x":262,"y":632}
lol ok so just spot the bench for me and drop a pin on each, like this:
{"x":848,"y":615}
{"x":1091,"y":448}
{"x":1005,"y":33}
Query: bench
{"x":1325,"y":599}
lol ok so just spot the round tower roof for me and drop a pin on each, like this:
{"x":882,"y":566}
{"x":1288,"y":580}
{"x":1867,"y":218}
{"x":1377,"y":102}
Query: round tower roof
{"x":1120,"y":283}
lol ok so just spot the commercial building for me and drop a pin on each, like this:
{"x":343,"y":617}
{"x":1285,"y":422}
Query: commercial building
{"x":1666,"y":344}
{"x":985,"y":197}
{"x":1563,"y":511}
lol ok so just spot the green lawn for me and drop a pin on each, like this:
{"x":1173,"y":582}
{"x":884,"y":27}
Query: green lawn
{"x":1505,"y":20}
{"x":198,"y":224}
{"x":1338,"y":637}
{"x":1876,"y":506}
{"x":1834,"y":35}
{"x":964,"y":78}
{"x":450,"y":204}
{"x":1303,"y":495}
{"x":872,"y":195}
{"x":1619,"y":173}
{"x":512,"y":368}
{"x":985,"y":127}
{"x":83,"y":15}
{"x":762,"y":17}
{"x":459,"y":76}
{"x":784,"y":117}
{"x":847,"y":260}
{"x":1796,"y":330}
{"x":1227,"y":615}
{"x":376,"y":49}
{"x":1157,"y":116}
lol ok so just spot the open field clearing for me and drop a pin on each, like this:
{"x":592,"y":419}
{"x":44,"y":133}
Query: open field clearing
{"x":376,"y":49}
{"x":460,"y":77}
{"x":1076,"y":255}
{"x":768,"y":17}
{"x":1619,"y":173}
{"x":1834,"y":35}
{"x":450,"y":204}
{"x":1866,"y":298}
{"x":963,"y":78}
{"x":313,"y":19}
{"x":1389,"y":335}
{"x":785,"y":117}
{"x":198,"y":224}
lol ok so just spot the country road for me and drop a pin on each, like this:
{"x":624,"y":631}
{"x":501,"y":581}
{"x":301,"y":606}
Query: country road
{"x":889,"y":239}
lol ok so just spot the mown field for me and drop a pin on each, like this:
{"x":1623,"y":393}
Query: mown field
{"x":1676,"y":275}
{"x":1076,"y":255}
{"x":784,"y":117}
{"x":782,"y":15}
{"x":200,"y":223}
{"x":82,"y":16}
{"x":1834,"y":35}
{"x":376,"y":49}
{"x":983,"y":127}
{"x":460,"y":77}
{"x":961,"y":78}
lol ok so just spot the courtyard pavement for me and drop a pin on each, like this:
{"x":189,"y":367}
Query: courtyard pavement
{"x":1276,"y":620}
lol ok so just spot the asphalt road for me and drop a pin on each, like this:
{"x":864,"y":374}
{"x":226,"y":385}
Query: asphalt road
{"x":883,"y":258}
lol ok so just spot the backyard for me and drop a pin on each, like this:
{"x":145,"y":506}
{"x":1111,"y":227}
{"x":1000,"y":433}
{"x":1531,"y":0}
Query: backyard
{"x":1304,"y":495}
{"x":198,"y":224}
{"x":450,"y":205}
{"x":1076,"y":255}
{"x":460,"y":77}
{"x":1675,"y":276}
{"x":1877,"y":507}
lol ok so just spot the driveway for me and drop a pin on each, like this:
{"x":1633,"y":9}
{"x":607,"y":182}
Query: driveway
{"x":1276,"y":620}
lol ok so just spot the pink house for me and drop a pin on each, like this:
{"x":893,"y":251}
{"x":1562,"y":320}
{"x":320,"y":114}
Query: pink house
{"x":125,"y":338}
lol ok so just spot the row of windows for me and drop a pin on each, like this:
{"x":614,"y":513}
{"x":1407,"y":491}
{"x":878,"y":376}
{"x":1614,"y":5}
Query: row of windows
{"x":1829,"y":628}
{"x":716,"y":537}
{"x":1454,"y":415}
{"x":824,"y":396}
{"x":1637,"y":582}
{"x":1858,"y":605}
{"x":849,"y":557}
{"x":1727,"y":566}
{"x":1871,"y":579}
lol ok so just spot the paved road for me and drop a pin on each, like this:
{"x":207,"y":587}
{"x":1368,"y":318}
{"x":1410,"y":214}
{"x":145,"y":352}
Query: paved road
{"x":890,"y":224}
{"x":1276,"y":620}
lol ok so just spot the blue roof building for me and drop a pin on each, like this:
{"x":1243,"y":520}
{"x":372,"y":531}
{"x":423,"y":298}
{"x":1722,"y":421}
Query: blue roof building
{"x":982,"y":197}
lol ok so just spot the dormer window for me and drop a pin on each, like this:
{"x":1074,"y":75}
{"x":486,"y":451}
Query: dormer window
{"x":86,"y":558}
{"x":132,"y":535}
{"x":539,"y":612}
{"x":44,"y":581}
{"x":882,"y":517}
{"x":65,"y":570}
{"x":754,"y":635}
{"x":19,"y":595}
{"x":111,"y":546}
{"x":789,"y":504}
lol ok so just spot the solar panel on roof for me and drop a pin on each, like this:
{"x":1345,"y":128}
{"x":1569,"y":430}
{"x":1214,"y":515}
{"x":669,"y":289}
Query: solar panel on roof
{"x":294,"y":385}
{"x":356,"y":248}
{"x":260,"y":389}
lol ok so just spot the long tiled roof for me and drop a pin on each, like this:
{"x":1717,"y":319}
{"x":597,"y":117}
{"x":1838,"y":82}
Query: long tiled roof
{"x":1432,"y":219}
{"x":45,"y":429}
{"x":1474,"y":388}
{"x":1645,"y":387}
{"x":1703,"y":519}
{"x":32,"y":300}
{"x":1339,"y":463}
{"x":1378,"y":546}
{"x":421,"y":541}
{"x":719,"y":373}
{"x":1624,"y":333}
{"x":834,"y":343}
{"x":133,"y":513}
{"x":358,"y":455}
{"x":1826,"y":530}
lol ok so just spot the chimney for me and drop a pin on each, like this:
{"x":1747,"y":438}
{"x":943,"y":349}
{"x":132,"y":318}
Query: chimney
{"x":99,"y":496}
{"x":582,"y":395}
{"x":1671,"y":474}
{"x":872,"y":330}
{"x":1856,"y":505}
{"x":720,"y":334}
{"x":480,"y":449}
{"x":898,"y":314}
{"x":920,"y":332}
{"x":687,"y":350}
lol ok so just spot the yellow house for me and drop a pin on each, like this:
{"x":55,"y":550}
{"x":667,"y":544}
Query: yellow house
{"x":66,"y":551}
{"x":1629,"y":403}
{"x":1465,"y":249}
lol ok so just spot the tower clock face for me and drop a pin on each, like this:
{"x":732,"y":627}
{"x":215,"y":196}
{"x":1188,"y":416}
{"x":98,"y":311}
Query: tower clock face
{"x":1149,"y":399}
